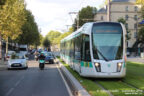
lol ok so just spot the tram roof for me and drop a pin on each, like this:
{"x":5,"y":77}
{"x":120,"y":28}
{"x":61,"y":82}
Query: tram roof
{"x":82,"y":30}
{"x":85,"y":29}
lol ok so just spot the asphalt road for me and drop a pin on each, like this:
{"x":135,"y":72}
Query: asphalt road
{"x":33,"y":81}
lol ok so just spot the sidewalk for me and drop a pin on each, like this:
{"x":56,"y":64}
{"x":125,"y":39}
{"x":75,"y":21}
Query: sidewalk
{"x":135,"y":59}
{"x":2,"y":65}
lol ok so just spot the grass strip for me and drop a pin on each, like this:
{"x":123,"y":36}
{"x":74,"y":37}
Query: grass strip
{"x":135,"y":74}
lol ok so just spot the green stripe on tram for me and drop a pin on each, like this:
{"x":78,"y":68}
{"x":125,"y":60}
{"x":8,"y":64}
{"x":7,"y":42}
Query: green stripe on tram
{"x":82,"y":63}
{"x":86,"y":64}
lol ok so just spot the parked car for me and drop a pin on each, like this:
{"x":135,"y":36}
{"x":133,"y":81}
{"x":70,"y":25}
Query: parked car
{"x":8,"y":56}
{"x":17,"y":61}
{"x":49,"y":57}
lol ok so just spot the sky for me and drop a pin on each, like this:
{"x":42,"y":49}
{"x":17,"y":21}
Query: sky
{"x":54,"y":14}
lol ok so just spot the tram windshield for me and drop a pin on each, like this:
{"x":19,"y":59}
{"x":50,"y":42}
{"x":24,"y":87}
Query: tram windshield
{"x":107,"y":41}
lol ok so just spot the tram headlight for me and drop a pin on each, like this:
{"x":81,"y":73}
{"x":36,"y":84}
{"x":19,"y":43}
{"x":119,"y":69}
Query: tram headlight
{"x":98,"y":67}
{"x":119,"y":66}
{"x":97,"y":64}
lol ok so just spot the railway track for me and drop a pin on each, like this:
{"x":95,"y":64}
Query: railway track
{"x":130,"y":85}
{"x":109,"y":92}
{"x":105,"y":90}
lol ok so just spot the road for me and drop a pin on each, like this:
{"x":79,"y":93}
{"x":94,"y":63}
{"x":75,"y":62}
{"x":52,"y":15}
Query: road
{"x":33,"y":82}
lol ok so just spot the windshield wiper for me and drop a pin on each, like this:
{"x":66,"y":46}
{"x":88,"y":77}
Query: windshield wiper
{"x":102,"y":55}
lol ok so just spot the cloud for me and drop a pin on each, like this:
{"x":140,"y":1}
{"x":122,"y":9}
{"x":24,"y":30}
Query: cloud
{"x":53,"y":14}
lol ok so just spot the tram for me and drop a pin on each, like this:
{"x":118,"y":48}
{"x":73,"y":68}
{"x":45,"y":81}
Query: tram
{"x":97,"y":49}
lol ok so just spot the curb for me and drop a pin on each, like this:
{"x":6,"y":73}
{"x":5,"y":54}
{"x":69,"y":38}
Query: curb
{"x":75,"y":86}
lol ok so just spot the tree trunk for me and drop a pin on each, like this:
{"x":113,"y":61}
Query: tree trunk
{"x":0,"y":47}
{"x":6,"y":46}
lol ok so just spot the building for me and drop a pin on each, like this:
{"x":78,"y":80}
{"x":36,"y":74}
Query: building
{"x":126,"y":9}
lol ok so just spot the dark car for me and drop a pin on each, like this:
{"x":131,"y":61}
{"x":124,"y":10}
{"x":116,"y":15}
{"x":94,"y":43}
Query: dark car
{"x":49,"y":57}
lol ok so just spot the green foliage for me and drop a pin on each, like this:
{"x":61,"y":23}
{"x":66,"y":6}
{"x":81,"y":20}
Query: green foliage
{"x":57,"y":40}
{"x":123,"y":21}
{"x":41,"y":39}
{"x":30,"y":31}
{"x":12,"y":18}
{"x":2,"y":2}
{"x":52,"y":35}
{"x":141,"y":34}
{"x":46,"y":42}
{"x":141,"y":31}
{"x":140,"y":2}
{"x":142,"y":12}
{"x":85,"y":15}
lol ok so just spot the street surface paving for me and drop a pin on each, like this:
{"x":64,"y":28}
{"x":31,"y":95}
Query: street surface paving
{"x":32,"y":82}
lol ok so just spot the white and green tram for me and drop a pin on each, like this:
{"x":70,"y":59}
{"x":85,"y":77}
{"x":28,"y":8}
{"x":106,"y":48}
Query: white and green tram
{"x":97,"y":50}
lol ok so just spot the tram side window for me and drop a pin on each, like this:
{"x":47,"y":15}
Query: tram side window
{"x":86,"y":48}
{"x":64,"y":48}
{"x":61,"y":48}
{"x":69,"y":48}
{"x":72,"y":49}
{"x":77,"y":48}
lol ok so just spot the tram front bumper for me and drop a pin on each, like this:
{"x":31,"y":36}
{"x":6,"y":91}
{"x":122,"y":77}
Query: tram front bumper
{"x":106,"y":75}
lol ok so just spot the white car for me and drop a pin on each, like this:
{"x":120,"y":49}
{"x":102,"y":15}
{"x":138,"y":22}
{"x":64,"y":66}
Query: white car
{"x":17,"y":61}
{"x":8,"y":56}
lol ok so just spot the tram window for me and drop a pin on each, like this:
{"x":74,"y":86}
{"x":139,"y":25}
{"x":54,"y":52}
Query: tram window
{"x":64,"y":48}
{"x":86,"y":49}
{"x":78,"y":48}
{"x":72,"y":49}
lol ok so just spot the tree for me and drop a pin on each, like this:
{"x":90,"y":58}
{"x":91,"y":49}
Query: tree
{"x":140,"y":2}
{"x":123,"y":21}
{"x":12,"y":19}
{"x":52,"y":35}
{"x":41,"y":39}
{"x":85,"y":15}
{"x":30,"y":35}
{"x":141,"y":31}
{"x":2,"y":2}
{"x":57,"y":40}
{"x":141,"y":34}
{"x":46,"y":42}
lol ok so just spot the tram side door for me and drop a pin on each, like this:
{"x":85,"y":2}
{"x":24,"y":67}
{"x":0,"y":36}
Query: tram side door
{"x":86,"y":57}
{"x":77,"y":53}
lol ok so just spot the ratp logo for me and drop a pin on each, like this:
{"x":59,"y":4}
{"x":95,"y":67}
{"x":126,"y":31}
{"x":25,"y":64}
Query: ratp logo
{"x":109,"y":65}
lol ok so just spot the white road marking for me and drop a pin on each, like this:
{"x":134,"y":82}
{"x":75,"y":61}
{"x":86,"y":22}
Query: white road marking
{"x":67,"y":87}
{"x":17,"y":83}
{"x":10,"y":91}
